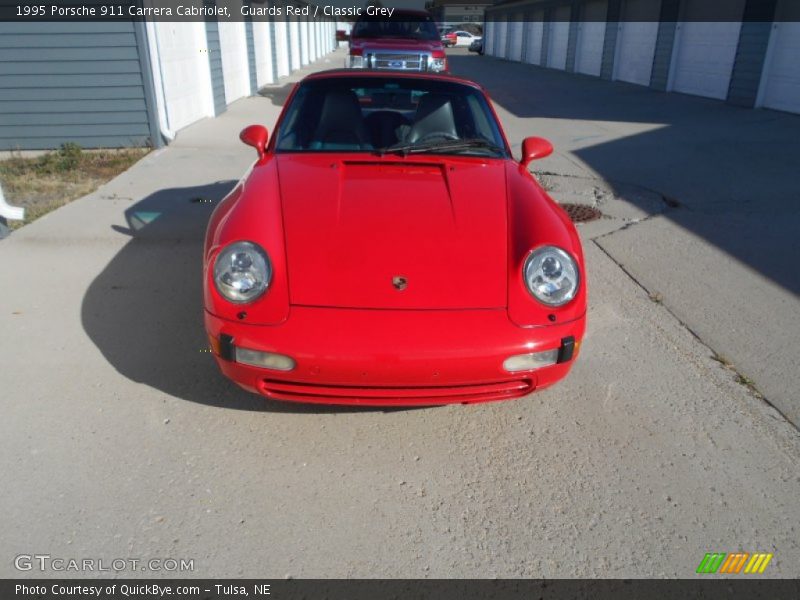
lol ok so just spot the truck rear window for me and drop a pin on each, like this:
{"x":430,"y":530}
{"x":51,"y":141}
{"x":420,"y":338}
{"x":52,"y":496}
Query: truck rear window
{"x":410,"y":28}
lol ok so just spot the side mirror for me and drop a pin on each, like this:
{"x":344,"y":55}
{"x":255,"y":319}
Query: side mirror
{"x":342,"y":36}
{"x":255,"y":136}
{"x":534,"y":148}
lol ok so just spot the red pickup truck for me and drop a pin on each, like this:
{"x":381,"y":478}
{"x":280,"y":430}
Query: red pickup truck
{"x":408,"y":41}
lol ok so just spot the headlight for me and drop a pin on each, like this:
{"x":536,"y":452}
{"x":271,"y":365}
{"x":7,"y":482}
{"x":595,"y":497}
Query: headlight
{"x":551,"y":275}
{"x":242,"y":272}
{"x":437,"y":65}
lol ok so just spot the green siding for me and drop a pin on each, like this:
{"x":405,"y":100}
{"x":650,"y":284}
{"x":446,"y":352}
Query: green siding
{"x":11,"y":38}
{"x":79,"y":93}
{"x":71,"y":82}
{"x":71,"y":106}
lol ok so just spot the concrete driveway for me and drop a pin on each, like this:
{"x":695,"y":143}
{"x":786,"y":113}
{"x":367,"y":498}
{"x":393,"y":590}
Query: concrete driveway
{"x":725,"y":261}
{"x":121,"y":440}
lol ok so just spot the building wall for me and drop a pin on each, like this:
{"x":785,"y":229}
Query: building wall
{"x":235,"y":65}
{"x":667,"y":45}
{"x":779,"y":86}
{"x":183,"y":70}
{"x":262,"y":38}
{"x":456,"y":13}
{"x":78,"y":82}
{"x":133,"y":84}
{"x":214,"y":52}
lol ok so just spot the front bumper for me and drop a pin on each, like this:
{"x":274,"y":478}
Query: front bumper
{"x":393,"y":357}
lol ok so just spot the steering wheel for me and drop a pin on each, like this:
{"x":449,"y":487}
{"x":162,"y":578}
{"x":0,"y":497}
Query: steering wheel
{"x":437,"y":134}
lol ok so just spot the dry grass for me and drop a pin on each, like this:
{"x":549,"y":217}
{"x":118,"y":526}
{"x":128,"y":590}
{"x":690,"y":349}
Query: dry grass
{"x":49,"y":181}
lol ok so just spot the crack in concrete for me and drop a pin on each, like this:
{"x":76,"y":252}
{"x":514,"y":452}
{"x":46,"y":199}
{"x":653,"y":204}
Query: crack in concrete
{"x":602,"y":195}
{"x":718,"y":357}
{"x":670,"y":204}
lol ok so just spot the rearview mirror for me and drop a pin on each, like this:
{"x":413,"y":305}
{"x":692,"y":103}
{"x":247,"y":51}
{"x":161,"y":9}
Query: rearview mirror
{"x":534,"y":148}
{"x":255,"y":136}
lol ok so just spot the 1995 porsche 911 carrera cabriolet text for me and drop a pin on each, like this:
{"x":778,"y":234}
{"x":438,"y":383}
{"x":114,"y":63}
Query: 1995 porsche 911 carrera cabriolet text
{"x":386,"y":249}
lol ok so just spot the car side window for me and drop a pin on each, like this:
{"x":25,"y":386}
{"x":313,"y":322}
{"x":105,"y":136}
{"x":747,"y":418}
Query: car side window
{"x":483,"y":128}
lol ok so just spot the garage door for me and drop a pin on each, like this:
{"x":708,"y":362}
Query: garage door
{"x":488,"y":37}
{"x":500,"y":38}
{"x":636,"y":41}
{"x":281,"y":47}
{"x":781,"y":85}
{"x":304,"y":46}
{"x":263,"y":42}
{"x":533,"y":44}
{"x":313,"y":53}
{"x":591,"y":36}
{"x":515,"y":35}
{"x":705,"y":51}
{"x":235,"y":69}
{"x":559,"y":38}
{"x":184,"y":70}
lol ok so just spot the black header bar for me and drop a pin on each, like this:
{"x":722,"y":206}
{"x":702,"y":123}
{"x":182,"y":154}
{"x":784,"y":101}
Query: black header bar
{"x":348,"y":10}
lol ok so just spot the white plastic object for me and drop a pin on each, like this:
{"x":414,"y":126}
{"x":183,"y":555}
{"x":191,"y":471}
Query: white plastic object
{"x":11,"y":213}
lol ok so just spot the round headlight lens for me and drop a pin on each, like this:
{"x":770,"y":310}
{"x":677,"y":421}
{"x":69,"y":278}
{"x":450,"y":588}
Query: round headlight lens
{"x":242,"y":272}
{"x":551,"y":275}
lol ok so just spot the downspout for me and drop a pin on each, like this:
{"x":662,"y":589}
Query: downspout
{"x":158,"y":80}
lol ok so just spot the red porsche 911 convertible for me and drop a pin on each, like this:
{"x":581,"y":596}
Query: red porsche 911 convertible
{"x":386,"y":249}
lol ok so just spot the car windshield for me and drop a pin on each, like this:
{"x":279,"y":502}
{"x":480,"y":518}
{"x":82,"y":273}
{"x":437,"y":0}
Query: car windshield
{"x":390,"y":114}
{"x":411,"y":27}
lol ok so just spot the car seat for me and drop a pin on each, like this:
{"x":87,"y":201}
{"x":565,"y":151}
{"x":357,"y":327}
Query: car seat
{"x":341,"y":124}
{"x":434,"y":115}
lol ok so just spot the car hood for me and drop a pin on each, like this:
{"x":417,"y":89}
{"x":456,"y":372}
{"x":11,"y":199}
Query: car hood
{"x":395,"y":233}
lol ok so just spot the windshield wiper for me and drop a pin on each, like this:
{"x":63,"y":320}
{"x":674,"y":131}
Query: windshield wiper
{"x":452,"y":145}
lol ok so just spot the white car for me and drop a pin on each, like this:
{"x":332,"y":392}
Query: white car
{"x":464,"y":38}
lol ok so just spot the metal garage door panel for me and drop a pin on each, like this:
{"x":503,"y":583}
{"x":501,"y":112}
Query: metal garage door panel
{"x":515,"y":32}
{"x":294,"y":45}
{"x":281,"y":47}
{"x":591,"y":36}
{"x":559,"y":39}
{"x":634,"y":62}
{"x":501,"y":39}
{"x":533,"y":51}
{"x":489,"y":30}
{"x":636,"y":41}
{"x":782,"y":75}
{"x":705,"y":51}
{"x":704,"y":58}
{"x":263,"y":46}
{"x":185,"y":72}
{"x":235,"y":67}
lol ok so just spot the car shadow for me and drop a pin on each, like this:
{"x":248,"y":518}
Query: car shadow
{"x":731,"y":170}
{"x":277,"y":94}
{"x":144,"y":310}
